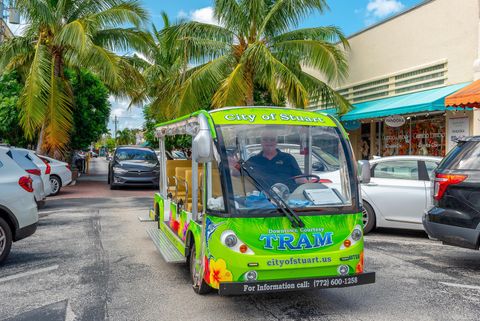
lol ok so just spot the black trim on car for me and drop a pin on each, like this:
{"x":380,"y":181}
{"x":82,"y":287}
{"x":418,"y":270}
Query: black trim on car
{"x":25,"y":232}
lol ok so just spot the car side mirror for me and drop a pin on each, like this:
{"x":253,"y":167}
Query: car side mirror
{"x":202,"y":144}
{"x":364,"y":171}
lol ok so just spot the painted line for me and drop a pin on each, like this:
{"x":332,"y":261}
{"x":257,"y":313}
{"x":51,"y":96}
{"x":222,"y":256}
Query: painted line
{"x":29,"y":273}
{"x":466,"y":286}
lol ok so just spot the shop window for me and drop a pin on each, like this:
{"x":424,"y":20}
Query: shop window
{"x":397,"y":170}
{"x":423,"y":136}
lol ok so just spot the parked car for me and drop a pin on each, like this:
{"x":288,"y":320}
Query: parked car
{"x":18,"y":211}
{"x":60,"y":174}
{"x":398,"y":192}
{"x":22,"y":158}
{"x":455,"y":216}
{"x":132,"y":165}
{"x":44,"y":168}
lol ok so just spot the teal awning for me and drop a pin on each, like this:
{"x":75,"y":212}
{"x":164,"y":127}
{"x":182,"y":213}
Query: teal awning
{"x":419,"y":102}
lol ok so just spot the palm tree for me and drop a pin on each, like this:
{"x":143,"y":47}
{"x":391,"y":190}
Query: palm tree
{"x":126,"y":136}
{"x":163,"y":70}
{"x":71,"y":34}
{"x":257,"y":45}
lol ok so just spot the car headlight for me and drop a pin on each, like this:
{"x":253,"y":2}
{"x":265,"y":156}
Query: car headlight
{"x":119,"y":170}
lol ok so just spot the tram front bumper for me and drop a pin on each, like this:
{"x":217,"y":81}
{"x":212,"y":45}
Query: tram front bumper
{"x":238,"y":288}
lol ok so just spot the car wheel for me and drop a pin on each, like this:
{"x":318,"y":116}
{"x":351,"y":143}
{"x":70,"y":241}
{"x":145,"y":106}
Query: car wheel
{"x":199,"y":286}
{"x":56,"y":185}
{"x":108,"y":178}
{"x":368,"y":218}
{"x":5,"y":240}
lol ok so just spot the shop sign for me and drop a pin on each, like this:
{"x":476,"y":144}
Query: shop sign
{"x":458,"y":128}
{"x":352,"y":124}
{"x":395,"y":121}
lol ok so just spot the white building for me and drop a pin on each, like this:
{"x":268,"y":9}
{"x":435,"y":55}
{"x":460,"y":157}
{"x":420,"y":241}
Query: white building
{"x":404,"y":67}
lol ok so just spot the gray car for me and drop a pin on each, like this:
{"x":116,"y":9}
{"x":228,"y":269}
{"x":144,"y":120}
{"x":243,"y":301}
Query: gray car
{"x":133,"y":166}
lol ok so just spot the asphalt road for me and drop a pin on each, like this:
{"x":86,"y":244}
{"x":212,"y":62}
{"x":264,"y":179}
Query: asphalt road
{"x":91,"y":259}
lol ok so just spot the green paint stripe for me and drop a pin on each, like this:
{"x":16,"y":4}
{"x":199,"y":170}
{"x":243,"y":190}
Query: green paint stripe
{"x":270,"y":116}
{"x":179,"y":245}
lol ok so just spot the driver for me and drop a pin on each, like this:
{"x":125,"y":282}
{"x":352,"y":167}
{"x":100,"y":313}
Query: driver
{"x":274,"y":166}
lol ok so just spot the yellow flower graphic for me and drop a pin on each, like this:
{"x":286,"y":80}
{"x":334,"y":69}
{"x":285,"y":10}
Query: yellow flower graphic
{"x":218,"y":273}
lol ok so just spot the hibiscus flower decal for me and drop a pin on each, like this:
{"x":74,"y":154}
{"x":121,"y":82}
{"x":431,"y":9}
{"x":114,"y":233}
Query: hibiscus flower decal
{"x":218,"y":273}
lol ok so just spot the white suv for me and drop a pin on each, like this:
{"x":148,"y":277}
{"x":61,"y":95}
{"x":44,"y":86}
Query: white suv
{"x":18,"y":210}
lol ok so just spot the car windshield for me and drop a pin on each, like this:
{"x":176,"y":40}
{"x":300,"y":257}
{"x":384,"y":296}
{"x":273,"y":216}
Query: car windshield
{"x":140,"y":155}
{"x":268,"y":158}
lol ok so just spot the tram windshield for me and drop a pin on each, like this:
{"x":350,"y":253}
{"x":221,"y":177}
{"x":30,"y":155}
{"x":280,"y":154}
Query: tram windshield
{"x":272,"y":166}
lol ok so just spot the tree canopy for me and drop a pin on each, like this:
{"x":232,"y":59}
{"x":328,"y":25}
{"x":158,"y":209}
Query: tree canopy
{"x":91,"y":109}
{"x":256,"y":44}
{"x":71,"y":34}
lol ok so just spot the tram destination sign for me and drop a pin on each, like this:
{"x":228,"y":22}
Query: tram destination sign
{"x":238,"y":288}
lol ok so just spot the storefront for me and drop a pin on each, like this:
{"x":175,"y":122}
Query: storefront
{"x":412,"y":124}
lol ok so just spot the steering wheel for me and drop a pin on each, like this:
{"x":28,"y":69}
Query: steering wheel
{"x":315,"y":178}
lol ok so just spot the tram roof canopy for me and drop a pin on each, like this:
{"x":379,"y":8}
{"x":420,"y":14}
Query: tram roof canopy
{"x":419,"y":102}
{"x":467,"y":97}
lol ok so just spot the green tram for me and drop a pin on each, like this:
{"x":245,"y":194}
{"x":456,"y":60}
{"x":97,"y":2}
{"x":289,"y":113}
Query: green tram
{"x":269,"y":202}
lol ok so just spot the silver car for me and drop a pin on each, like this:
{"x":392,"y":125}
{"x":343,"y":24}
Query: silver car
{"x":398,"y":192}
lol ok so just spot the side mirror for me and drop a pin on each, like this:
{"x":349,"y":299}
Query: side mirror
{"x":364,"y":171}
{"x":202,"y":144}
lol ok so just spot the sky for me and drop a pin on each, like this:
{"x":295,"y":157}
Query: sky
{"x":350,"y":15}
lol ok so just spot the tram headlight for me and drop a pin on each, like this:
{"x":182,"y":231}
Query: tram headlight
{"x":343,"y":269}
{"x":357,"y":234}
{"x":231,"y":240}
{"x":251,"y":276}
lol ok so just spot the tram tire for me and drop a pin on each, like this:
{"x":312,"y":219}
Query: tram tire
{"x":203,"y":287}
{"x":371,"y":219}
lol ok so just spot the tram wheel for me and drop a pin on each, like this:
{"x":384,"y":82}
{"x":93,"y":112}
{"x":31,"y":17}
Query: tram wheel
{"x":199,"y":286}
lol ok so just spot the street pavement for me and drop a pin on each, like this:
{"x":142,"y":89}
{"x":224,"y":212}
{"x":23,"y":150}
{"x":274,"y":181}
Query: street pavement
{"x":91,"y":259}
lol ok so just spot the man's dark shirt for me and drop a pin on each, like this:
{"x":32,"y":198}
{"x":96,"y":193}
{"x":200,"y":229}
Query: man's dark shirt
{"x":277,"y":170}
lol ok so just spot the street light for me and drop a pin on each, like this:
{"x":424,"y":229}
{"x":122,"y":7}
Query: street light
{"x":13,"y":14}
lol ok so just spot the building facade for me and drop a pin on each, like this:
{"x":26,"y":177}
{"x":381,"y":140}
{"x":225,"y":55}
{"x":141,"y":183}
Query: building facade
{"x":400,"y":71}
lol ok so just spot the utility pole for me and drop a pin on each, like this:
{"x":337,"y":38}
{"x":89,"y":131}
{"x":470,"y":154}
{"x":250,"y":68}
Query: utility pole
{"x":115,"y":123}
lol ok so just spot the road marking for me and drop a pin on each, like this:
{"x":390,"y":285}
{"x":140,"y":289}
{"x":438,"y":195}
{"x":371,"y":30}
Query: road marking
{"x":29,"y":273}
{"x":466,"y":286}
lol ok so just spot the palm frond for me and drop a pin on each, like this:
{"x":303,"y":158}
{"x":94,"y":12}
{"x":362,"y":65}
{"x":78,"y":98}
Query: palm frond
{"x":231,"y":16}
{"x":124,"y":40}
{"x":270,"y":70}
{"x":329,"y":34}
{"x":73,"y":35}
{"x":322,"y":56}
{"x":103,"y":63}
{"x":59,"y":113}
{"x":233,"y":89}
{"x":121,"y":13}
{"x":202,"y":82}
{"x":285,"y":14}
{"x":12,"y":48}
{"x":321,"y":92}
{"x":34,"y":99}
